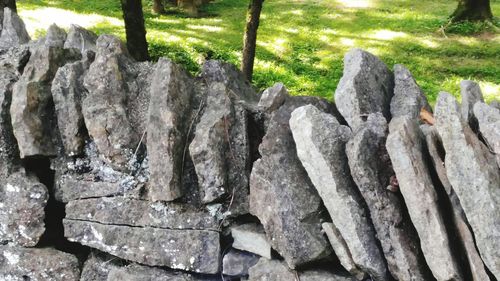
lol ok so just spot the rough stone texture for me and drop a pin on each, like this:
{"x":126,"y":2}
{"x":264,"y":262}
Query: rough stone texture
{"x":270,"y":270}
{"x":406,"y":147}
{"x":371,"y":170}
{"x":20,"y":264}
{"x":81,"y":39}
{"x":495,"y":104}
{"x":31,"y":109}
{"x":471,"y":93}
{"x":366,"y":87}
{"x":168,"y":124}
{"x":67,"y":93}
{"x":408,"y":98}
{"x":22,"y":203}
{"x":488,"y":119}
{"x":251,"y":238}
{"x":191,"y":250}
{"x":341,"y":250}
{"x":115,"y":109}
{"x":322,"y":275}
{"x":134,"y":212}
{"x":320,"y":141}
{"x":97,"y":267}
{"x":281,"y":194}
{"x":237,"y":263}
{"x":13,"y":30}
{"x":470,"y":166}
{"x":137,"y":272}
{"x":55,"y":37}
{"x":273,"y":97}
{"x":437,"y":154}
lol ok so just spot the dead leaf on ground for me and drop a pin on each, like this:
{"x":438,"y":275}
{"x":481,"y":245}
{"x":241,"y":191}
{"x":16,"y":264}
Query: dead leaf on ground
{"x":427,"y":116}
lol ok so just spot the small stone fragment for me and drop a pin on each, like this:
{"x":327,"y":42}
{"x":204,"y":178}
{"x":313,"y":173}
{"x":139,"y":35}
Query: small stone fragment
{"x":81,"y":39}
{"x":13,"y":30}
{"x":488,"y":119}
{"x":251,"y":238}
{"x":471,"y":94}
{"x":272,"y":98}
{"x":408,"y":98}
{"x":237,"y":263}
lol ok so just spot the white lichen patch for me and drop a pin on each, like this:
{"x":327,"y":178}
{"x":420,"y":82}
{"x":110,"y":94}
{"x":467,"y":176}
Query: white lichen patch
{"x":12,"y":188}
{"x":12,"y":259}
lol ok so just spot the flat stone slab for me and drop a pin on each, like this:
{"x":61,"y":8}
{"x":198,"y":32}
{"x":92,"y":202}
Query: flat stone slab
{"x":135,"y":272}
{"x":98,"y":265}
{"x":488,"y":119}
{"x":20,"y":264}
{"x":251,"y":238}
{"x":189,"y":250}
{"x":237,"y":263}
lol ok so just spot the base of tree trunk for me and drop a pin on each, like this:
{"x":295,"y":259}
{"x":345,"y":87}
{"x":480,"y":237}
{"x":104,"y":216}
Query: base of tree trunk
{"x":464,"y":13}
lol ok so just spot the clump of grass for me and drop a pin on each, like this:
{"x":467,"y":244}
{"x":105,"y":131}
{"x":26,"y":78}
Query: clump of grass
{"x":473,"y":28}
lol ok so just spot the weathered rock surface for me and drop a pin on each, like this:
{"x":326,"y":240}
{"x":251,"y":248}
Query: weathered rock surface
{"x":406,"y":147}
{"x":115,"y":109}
{"x":168,"y":124}
{"x":191,"y":250}
{"x":13,"y":30}
{"x":322,"y":275}
{"x":81,"y":39}
{"x":273,"y":97}
{"x":470,"y":166}
{"x":495,"y":104}
{"x":137,"y":272}
{"x":237,"y":263}
{"x":320,"y":141}
{"x":408,"y":98}
{"x":134,"y":212}
{"x":466,"y":237}
{"x":55,"y":37}
{"x":366,"y":87}
{"x":19,"y":264}
{"x":97,"y":267}
{"x":471,"y":93}
{"x":281,"y":194}
{"x":270,"y":270}
{"x":251,"y":238}
{"x":371,"y":170}
{"x":22,"y":203}
{"x":488,"y":119}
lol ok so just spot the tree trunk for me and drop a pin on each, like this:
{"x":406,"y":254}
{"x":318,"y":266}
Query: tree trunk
{"x":250,"y":38}
{"x":472,"y":10}
{"x":9,"y":4}
{"x":189,"y":6}
{"x":158,"y":7}
{"x":135,"y":30}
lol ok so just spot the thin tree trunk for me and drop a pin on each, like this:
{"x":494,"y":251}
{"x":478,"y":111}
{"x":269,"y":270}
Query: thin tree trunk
{"x":472,"y":10}
{"x":250,"y":38}
{"x":158,"y":7}
{"x":135,"y":30}
{"x":9,"y":4}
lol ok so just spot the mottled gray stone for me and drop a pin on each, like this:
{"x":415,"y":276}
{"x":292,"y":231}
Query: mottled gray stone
{"x":135,"y":272}
{"x":271,"y":270}
{"x":81,"y":39}
{"x":168,"y":124}
{"x":466,"y":237}
{"x":68,"y":189}
{"x":371,"y":170}
{"x":281,"y":194}
{"x":273,"y":97}
{"x":322,"y":275}
{"x":22,"y":203}
{"x":55,"y":37}
{"x":190,"y":250}
{"x":341,"y":250}
{"x":408,"y":98}
{"x":115,"y":109}
{"x":13,"y":30}
{"x":488,"y":119}
{"x":495,"y":104}
{"x":471,"y":93}
{"x":406,"y":147}
{"x":134,"y":212}
{"x":21,"y":264}
{"x":321,"y":141}
{"x":237,"y":263}
{"x":97,"y":266}
{"x":251,"y":238}
{"x":471,"y":166}
{"x":366,"y":87}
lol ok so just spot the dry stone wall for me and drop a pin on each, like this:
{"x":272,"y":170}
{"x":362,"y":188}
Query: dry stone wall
{"x":113,"y":169}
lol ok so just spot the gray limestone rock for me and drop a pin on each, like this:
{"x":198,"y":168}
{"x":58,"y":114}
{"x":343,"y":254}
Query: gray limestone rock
{"x":168,"y":124}
{"x":237,"y":263}
{"x":470,"y":166}
{"x":366,"y":87}
{"x":68,"y":188}
{"x":98,"y":266}
{"x":321,"y":141}
{"x":488,"y":119}
{"x":135,"y":272}
{"x":20,"y":264}
{"x":271,"y":270}
{"x":471,"y":93}
{"x":371,"y":170}
{"x":189,"y":250}
{"x":407,"y":150}
{"x":81,"y":39}
{"x":115,"y":109}
{"x":22,"y":203}
{"x":408,"y":98}
{"x":495,"y":104}
{"x":281,"y":194}
{"x":273,"y":97}
{"x":55,"y":37}
{"x":134,"y":212}
{"x":13,"y":30}
{"x":322,"y":275}
{"x":251,"y":238}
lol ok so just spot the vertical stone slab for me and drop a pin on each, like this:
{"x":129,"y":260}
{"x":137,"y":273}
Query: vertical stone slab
{"x":471,"y":94}
{"x":13,"y":30}
{"x":488,"y":119}
{"x":408,"y":98}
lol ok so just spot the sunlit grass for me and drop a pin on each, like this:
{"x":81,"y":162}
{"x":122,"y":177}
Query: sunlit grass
{"x":302,"y":43}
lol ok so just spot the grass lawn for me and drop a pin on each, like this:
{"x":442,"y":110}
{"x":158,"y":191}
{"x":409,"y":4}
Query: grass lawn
{"x":302,"y":42}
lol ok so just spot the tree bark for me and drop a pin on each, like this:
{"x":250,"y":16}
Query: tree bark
{"x":158,"y":7}
{"x":9,"y":4}
{"x":472,"y":10}
{"x":135,"y":30}
{"x":250,"y":38}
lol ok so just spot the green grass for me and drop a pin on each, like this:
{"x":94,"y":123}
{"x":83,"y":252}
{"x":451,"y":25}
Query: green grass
{"x":302,"y":42}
